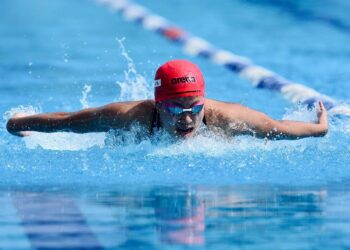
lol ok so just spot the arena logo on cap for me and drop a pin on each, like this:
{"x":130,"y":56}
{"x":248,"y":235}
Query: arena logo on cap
{"x":157,"y":83}
{"x":183,"y":80}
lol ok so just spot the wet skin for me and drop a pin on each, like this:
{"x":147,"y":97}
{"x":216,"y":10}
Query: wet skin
{"x":223,"y":117}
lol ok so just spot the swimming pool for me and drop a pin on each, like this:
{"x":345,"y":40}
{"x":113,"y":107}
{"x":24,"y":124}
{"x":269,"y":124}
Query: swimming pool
{"x":84,"y":192}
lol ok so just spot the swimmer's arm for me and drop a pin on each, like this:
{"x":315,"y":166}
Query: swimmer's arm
{"x":263,"y":126}
{"x":102,"y":119}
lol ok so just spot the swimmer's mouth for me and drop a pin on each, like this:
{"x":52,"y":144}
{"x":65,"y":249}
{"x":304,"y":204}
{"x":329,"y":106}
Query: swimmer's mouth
{"x":184,"y":130}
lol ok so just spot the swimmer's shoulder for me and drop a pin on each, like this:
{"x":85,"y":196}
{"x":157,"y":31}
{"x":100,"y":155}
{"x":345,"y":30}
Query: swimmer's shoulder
{"x":132,"y":111}
{"x":217,"y":112}
{"x":221,"y":107}
{"x":130,"y":107}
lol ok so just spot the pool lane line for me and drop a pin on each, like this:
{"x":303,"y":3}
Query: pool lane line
{"x":258,"y":76}
{"x":12,"y":234}
{"x":107,"y":222}
{"x":53,"y":221}
{"x":307,"y":15}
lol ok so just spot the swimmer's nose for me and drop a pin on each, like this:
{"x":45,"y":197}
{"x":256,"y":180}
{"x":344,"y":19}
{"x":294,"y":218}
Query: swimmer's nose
{"x":185,"y":118}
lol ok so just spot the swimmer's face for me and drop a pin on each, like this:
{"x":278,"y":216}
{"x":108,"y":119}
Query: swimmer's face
{"x":184,"y":124}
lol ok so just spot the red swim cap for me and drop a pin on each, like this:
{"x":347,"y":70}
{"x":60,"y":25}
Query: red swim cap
{"x":178,"y":78}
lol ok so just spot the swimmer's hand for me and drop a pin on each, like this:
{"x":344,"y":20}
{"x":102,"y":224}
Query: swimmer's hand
{"x":11,"y":125}
{"x":322,"y":116}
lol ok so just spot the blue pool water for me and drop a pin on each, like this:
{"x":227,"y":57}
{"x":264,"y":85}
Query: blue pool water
{"x":68,"y":191}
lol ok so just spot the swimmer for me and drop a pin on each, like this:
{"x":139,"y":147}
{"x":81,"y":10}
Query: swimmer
{"x":179,"y":108}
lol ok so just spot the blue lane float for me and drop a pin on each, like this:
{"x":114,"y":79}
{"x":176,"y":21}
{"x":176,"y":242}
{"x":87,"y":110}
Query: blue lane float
{"x":65,"y":226}
{"x":258,"y":76}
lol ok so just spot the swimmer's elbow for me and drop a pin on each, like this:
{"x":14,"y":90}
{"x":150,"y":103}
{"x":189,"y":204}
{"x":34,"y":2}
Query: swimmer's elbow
{"x":322,"y":132}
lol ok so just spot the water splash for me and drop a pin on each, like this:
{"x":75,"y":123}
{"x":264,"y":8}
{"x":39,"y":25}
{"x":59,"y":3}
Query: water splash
{"x":19,"y":110}
{"x":207,"y":143}
{"x":55,"y":141}
{"x":301,"y":113}
{"x":84,"y":99}
{"x":134,"y":86}
{"x":27,"y":110}
{"x":206,"y":158}
{"x":135,"y":135}
{"x":64,"y":141}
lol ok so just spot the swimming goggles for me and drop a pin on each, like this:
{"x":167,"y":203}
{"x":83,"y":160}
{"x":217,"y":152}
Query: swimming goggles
{"x":174,"y":109}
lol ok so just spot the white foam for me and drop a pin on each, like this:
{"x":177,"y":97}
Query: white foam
{"x":64,"y":141}
{"x":56,"y":141}
{"x":302,"y":113}
{"x":28,"y":110}
{"x":133,"y":141}
{"x":211,"y":145}
{"x":341,"y":109}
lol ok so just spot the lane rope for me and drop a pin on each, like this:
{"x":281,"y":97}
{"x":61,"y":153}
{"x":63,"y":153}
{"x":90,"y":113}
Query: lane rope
{"x":259,"y":77}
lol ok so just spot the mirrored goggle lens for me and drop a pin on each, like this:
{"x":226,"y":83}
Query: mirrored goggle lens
{"x":196,"y":109}
{"x":177,"y":110}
